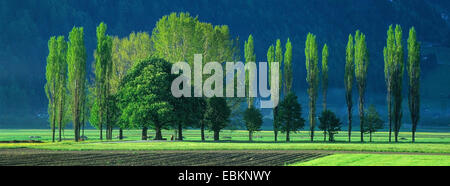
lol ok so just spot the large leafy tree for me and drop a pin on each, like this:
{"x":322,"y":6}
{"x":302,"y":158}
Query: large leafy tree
{"x":413,"y":67}
{"x":76,"y":60}
{"x":217,"y":115}
{"x":348,"y":81}
{"x":312,"y":78}
{"x":290,"y":115}
{"x":144,"y":97}
{"x":178,"y":36}
{"x":125,"y":51}
{"x":330,"y":124}
{"x":373,"y":121}
{"x":361,"y":64}
{"x":324,"y":75}
{"x":253,"y":121}
{"x":103,"y":69}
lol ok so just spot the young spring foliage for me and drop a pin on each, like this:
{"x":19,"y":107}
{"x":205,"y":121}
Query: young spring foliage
{"x":324,"y":75}
{"x":288,"y":76}
{"x":250,"y":56}
{"x":312,"y":78}
{"x":361,"y":65}
{"x":76,"y":61}
{"x":413,"y":68}
{"x":348,"y":81}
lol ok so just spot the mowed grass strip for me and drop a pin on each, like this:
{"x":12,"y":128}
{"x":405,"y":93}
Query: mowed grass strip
{"x":378,"y":160}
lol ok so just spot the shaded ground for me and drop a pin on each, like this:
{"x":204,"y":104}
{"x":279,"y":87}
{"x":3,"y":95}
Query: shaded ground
{"x":34,"y":157}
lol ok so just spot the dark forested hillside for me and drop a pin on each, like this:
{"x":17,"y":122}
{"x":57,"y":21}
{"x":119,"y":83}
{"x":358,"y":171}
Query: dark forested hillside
{"x":26,"y":26}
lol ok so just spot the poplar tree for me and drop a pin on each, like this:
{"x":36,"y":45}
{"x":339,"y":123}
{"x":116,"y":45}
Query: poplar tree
{"x":389,"y":53}
{"x":324,"y":75}
{"x":348,"y":81}
{"x":414,"y":79}
{"x":288,"y":67}
{"x":278,"y":58}
{"x":76,"y":60}
{"x":102,"y":73}
{"x":397,"y":73}
{"x":312,"y":78}
{"x":51,"y":85}
{"x":61,"y":81}
{"x":361,"y":64}
{"x":270,"y":60}
{"x":249,"y":53}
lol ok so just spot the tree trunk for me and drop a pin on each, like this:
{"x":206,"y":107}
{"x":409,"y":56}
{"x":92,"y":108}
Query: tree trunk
{"x":144,"y":133}
{"x":180,"y":132}
{"x":312,"y":117}
{"x":53,"y":122}
{"x":324,"y":135}
{"x":275,"y":123}
{"x":413,"y":136}
{"x":250,"y":135}
{"x":349,"y":124}
{"x":288,"y":139}
{"x":370,"y":136}
{"x":120,"y":134}
{"x":202,"y":130}
{"x":158,"y":135}
{"x":361,"y":115}
{"x":216,"y":135}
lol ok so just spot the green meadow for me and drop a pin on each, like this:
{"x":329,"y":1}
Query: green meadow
{"x":426,"y":142}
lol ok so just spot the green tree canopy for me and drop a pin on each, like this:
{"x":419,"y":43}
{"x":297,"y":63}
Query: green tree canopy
{"x":217,"y":115}
{"x":145,"y":98}
{"x":329,"y":123}
{"x":290,"y":115}
{"x":373,"y":121}
{"x":253,"y":120}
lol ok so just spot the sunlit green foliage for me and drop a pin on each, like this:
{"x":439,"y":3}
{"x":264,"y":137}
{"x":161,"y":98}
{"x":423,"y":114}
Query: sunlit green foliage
{"x":348,"y":81}
{"x":76,"y":60}
{"x":324,"y":75}
{"x":361,"y":65}
{"x":312,"y":78}
{"x":413,"y":67}
{"x":145,"y":98}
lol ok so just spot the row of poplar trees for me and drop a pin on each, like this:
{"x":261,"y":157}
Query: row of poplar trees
{"x":66,"y":76}
{"x":357,"y":61}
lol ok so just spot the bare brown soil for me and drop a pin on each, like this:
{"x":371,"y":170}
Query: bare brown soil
{"x":34,"y":157}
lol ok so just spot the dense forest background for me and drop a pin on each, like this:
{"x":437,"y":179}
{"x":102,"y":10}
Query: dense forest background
{"x":26,"y":26}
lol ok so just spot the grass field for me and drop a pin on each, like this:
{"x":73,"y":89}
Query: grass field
{"x":431,"y":148}
{"x":378,"y":160}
